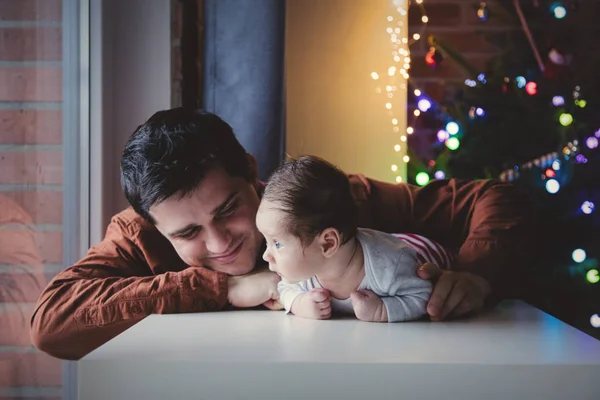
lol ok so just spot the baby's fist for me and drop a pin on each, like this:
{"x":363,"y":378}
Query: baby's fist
{"x":315,"y":304}
{"x":368,"y":306}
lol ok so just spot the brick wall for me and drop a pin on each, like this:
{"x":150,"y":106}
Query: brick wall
{"x":456,"y":23}
{"x":30,"y":187}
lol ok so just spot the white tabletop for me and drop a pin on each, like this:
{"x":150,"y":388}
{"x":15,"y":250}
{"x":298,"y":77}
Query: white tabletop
{"x":515,"y":351}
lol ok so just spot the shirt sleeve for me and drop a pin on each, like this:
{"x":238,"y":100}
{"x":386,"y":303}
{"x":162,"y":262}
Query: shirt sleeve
{"x":289,"y":291}
{"x":404,"y":294}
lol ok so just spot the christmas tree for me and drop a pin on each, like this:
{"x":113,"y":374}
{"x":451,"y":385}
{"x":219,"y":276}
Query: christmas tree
{"x":530,"y":117}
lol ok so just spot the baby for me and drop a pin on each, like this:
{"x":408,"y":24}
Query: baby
{"x":309,"y":220}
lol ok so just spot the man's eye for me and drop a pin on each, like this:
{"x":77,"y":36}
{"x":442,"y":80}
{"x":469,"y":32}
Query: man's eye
{"x":188,"y":235}
{"x":277,"y":244}
{"x":229,"y":210}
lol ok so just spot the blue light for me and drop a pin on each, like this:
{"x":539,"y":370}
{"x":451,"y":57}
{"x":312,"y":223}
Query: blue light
{"x":452,"y":128}
{"x":587,"y":207}
{"x":480,"y":112}
{"x":552,"y":186}
{"x":470,"y":83}
{"x":424,"y":105}
{"x":559,"y":11}
{"x":521,"y":81}
{"x":481,"y":78}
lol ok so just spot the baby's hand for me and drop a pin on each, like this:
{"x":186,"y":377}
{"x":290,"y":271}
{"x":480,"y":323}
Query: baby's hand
{"x":315,"y":304}
{"x":368,"y":306}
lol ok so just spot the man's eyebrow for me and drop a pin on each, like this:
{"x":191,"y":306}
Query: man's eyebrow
{"x":221,"y":207}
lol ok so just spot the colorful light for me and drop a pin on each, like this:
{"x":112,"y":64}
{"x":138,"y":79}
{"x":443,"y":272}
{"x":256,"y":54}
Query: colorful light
{"x":565,"y":119}
{"x":559,"y":11}
{"x":552,"y":186}
{"x":581,"y":103}
{"x":521,"y":81}
{"x":531,"y":88}
{"x":439,"y":175}
{"x":595,"y":321}
{"x":442,"y":135}
{"x":480,"y":112}
{"x":481,"y":78}
{"x":558,"y":101}
{"x":587,"y":207}
{"x":424,"y":105}
{"x":591,"y":142}
{"x":422,"y":178}
{"x":578,"y":255}
{"x":556,"y":165}
{"x":550,"y":173}
{"x":470,"y":83}
{"x":597,"y":133}
{"x":592,"y":276}
{"x":453,"y":143}
{"x":452,"y":128}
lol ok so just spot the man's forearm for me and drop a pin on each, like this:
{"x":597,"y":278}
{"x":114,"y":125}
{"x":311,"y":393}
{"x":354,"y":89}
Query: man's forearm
{"x":76,"y":314}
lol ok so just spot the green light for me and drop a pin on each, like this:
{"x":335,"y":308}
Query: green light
{"x":453,"y":143}
{"x":422,"y":178}
{"x":582,"y":103}
{"x":593,"y":276}
{"x":565,"y":119}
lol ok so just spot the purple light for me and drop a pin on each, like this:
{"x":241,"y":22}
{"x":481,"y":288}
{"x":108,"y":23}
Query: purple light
{"x":424,"y":105}
{"x":580,"y":159}
{"x":439,"y":175}
{"x":442,"y":135}
{"x":480,"y":112}
{"x":587,"y":207}
{"x":592,"y":142}
{"x":558,"y":101}
{"x":597,"y":134}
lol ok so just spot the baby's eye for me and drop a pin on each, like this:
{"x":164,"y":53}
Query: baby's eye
{"x":277,"y":244}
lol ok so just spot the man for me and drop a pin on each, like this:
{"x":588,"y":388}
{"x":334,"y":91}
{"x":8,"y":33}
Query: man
{"x":189,"y":243}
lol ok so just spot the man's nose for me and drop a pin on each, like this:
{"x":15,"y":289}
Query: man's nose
{"x":218,"y":240}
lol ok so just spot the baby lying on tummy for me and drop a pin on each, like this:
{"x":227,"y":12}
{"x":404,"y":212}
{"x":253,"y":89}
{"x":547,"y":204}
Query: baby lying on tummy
{"x":308,"y":218}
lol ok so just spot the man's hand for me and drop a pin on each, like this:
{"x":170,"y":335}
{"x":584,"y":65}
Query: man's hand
{"x":315,"y":304}
{"x":368,"y":306}
{"x":454,"y":293}
{"x":253,"y":289}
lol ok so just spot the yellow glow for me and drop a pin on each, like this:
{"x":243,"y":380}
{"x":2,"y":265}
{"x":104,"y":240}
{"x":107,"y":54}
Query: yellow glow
{"x":419,"y":1}
{"x":396,"y":129}
{"x":395,"y":121}
{"x":390,"y":18}
{"x":394,"y":168}
{"x":406,"y":158}
{"x":417,"y":92}
{"x":374,"y":75}
{"x":410,"y":130}
{"x":416,"y":36}
{"x":417,"y":113}
{"x":388,"y":106}
{"x":398,"y":179}
{"x":391,"y":71}
{"x":425,"y":19}
{"x":403,"y":138}
{"x":397,"y":147}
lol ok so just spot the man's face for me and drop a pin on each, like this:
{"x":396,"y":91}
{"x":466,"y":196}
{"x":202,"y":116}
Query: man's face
{"x":285,"y":253}
{"x":214,"y":226}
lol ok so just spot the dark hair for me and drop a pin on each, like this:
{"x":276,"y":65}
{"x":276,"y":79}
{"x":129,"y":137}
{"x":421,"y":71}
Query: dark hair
{"x":316,"y":195}
{"x":172,"y":152}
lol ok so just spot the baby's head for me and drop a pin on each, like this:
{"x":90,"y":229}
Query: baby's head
{"x":306,"y":214}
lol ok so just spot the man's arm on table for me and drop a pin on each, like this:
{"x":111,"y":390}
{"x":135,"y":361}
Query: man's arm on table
{"x":489,"y":225}
{"x":113,"y":287}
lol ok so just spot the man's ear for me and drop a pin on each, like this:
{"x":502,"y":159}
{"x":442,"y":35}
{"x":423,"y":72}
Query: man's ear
{"x":329,"y":241}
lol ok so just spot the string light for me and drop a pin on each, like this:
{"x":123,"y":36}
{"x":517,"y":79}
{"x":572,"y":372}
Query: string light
{"x":397,"y":30}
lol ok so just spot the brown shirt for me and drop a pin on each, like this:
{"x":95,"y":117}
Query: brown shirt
{"x":135,"y":272}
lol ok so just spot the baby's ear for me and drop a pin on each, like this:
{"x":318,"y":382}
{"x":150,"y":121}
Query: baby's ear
{"x":330,"y":242}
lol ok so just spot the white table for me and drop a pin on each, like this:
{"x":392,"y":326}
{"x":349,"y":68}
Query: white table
{"x":513,"y":352}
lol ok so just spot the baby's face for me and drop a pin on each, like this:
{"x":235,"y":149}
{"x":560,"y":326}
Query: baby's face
{"x":284,"y":252}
